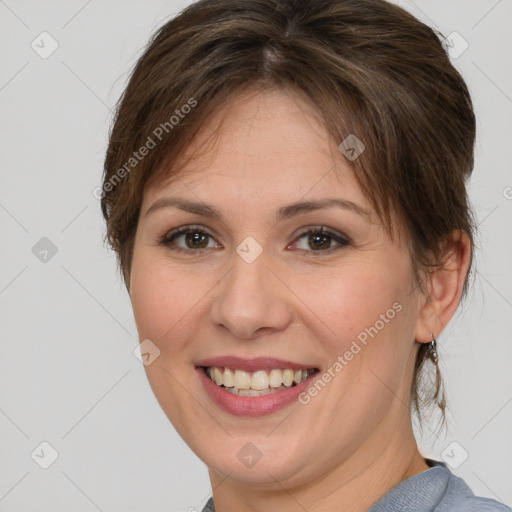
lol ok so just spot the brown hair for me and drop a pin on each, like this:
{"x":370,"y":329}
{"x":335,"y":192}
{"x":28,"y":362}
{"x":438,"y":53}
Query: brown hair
{"x":371,"y":69}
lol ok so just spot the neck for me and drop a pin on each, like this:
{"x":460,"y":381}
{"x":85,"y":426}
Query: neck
{"x":357,"y":483}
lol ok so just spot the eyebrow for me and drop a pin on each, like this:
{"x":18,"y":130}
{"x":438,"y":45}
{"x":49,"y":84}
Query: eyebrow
{"x":285,"y":212}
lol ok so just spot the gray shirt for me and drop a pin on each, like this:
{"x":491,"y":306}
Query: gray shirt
{"x":435,"y":490}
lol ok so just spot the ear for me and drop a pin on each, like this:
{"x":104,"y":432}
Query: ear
{"x":444,"y":287}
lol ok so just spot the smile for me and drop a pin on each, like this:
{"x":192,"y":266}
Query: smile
{"x":254,"y":387}
{"x":258,"y":383}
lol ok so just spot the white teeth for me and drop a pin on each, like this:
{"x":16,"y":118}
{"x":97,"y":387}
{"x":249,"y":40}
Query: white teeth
{"x":258,"y":383}
{"x":275,"y":378}
{"x":288,"y":377}
{"x":253,"y":392}
{"x":228,"y":378}
{"x":259,"y":380}
{"x":217,"y":376}
{"x":242,"y":380}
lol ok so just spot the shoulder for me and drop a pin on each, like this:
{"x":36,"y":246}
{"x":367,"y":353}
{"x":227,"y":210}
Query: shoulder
{"x":458,"y":497}
{"x":435,"y":490}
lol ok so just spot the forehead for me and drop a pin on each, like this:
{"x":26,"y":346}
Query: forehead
{"x":265,"y":143}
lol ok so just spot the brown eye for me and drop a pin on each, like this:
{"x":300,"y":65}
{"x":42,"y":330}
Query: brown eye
{"x":189,"y":239}
{"x":196,"y":240}
{"x":317,"y":242}
{"x":320,"y":240}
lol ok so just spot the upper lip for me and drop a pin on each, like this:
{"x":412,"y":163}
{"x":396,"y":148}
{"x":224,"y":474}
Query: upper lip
{"x":253,"y":364}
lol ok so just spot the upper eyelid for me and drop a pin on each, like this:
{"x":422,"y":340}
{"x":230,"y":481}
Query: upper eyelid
{"x":302,"y":232}
{"x":321,"y":229}
{"x":190,"y":227}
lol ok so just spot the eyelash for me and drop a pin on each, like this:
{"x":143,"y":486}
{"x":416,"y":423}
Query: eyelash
{"x":342,"y":240}
{"x":168,"y":238}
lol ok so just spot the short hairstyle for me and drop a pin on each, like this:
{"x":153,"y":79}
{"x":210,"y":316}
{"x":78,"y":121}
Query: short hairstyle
{"x":371,"y":69}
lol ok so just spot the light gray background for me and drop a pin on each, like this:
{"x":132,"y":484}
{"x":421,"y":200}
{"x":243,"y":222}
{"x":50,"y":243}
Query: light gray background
{"x":67,"y":372}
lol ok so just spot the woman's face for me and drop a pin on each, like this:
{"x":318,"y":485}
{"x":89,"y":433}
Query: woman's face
{"x":254,"y":288}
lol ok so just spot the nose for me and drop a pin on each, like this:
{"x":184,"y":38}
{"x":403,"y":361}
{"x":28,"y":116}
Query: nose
{"x":251,"y":300}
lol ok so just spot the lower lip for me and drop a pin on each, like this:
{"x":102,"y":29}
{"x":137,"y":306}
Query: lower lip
{"x":252,"y":405}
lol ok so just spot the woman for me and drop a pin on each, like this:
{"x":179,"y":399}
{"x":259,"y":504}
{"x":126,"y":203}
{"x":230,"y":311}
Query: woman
{"x":285,"y":190}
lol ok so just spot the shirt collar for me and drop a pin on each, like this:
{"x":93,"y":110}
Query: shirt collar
{"x":421,"y":492}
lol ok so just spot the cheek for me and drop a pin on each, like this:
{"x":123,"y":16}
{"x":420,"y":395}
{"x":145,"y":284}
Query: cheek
{"x":163,"y":301}
{"x":157,"y":297}
{"x":355,"y":301}
{"x":363,"y":316}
